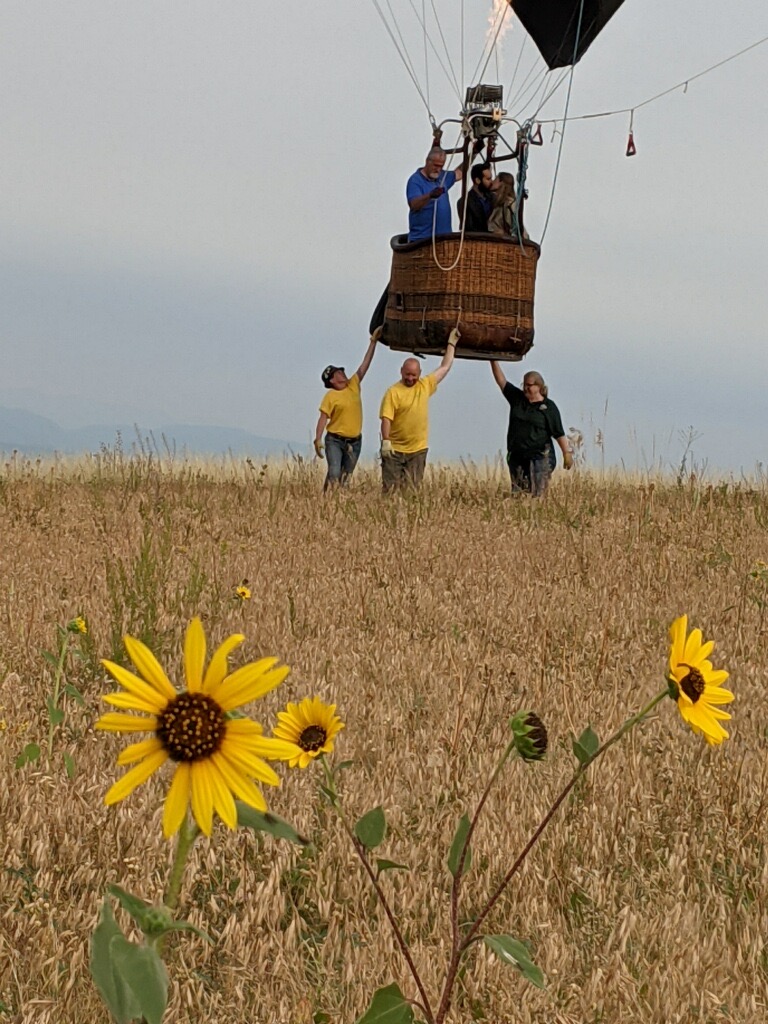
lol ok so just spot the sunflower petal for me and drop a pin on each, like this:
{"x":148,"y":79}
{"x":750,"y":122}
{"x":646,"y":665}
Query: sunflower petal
{"x":135,"y":686}
{"x":240,"y":786}
{"x":133,"y":778}
{"x":677,"y":633}
{"x":223,"y":802}
{"x":274,"y":748}
{"x":177,"y":801}
{"x":692,"y":646}
{"x":217,"y":667}
{"x":202,"y":796}
{"x":249,"y":764}
{"x":149,"y":667}
{"x":113,"y":721}
{"x":130,"y":702}
{"x":240,"y":689}
{"x":138,"y":751}
{"x":194,"y":657}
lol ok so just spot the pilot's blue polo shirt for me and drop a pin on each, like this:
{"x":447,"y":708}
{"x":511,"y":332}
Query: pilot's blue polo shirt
{"x":420,"y":223}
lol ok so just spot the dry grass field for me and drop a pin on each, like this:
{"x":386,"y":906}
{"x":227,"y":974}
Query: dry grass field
{"x":428,"y":621}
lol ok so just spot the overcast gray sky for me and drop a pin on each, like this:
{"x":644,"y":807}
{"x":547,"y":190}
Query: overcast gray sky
{"x":199,"y":196}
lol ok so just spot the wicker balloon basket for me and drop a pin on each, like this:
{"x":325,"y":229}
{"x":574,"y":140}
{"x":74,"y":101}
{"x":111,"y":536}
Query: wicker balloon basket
{"x":488,"y":295}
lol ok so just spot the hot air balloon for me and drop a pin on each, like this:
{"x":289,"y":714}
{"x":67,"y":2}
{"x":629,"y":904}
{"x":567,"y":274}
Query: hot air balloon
{"x":484,"y":284}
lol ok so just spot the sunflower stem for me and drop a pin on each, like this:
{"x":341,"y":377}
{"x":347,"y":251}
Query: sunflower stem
{"x":361,"y":853}
{"x":456,"y":944}
{"x":188,"y":833}
{"x":580,"y":770}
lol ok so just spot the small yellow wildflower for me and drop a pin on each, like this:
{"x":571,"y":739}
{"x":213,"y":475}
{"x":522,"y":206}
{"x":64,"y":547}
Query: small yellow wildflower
{"x":312,"y":726}
{"x":78,"y":625}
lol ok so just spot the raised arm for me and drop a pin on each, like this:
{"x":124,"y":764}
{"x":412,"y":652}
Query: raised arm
{"x":450,"y":352}
{"x":364,"y":366}
{"x":498,"y":374}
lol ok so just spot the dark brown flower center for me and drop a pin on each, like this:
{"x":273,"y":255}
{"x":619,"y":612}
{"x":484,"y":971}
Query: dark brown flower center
{"x":191,"y":727}
{"x":693,"y":684}
{"x":313,"y":737}
{"x":537,"y":737}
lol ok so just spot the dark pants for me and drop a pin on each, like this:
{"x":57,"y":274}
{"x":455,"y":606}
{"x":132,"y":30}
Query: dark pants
{"x":531,"y":475}
{"x":403,"y":470}
{"x":342,"y":454}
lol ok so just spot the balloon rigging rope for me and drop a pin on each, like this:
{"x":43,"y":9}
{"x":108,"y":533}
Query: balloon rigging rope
{"x":565,"y":115}
{"x":402,"y":53}
{"x":665,"y":92}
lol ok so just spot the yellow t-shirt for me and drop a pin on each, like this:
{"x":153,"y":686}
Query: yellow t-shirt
{"x":408,"y":409}
{"x":344,"y":409}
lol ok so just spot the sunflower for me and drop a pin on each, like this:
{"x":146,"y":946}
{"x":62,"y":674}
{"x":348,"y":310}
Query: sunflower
{"x":216,"y":756}
{"x":696,"y":685}
{"x":312,"y":726}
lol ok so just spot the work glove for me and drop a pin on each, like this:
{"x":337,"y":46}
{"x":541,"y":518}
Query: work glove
{"x":454,"y":337}
{"x":386,"y":449}
{"x":437,"y":192}
{"x":376,"y":336}
{"x":568,"y":460}
{"x":319,"y":449}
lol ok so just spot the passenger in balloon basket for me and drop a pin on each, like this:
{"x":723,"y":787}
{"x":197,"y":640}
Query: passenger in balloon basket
{"x":405,"y":421}
{"x":479,"y":200}
{"x":429,"y":209}
{"x":534,"y":422}
{"x":503,"y":219}
{"x":341,"y":412}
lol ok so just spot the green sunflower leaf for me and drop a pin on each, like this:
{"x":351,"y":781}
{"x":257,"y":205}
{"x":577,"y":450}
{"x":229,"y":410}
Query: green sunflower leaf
{"x":456,"y":847}
{"x":51,"y":658}
{"x":143,"y":973}
{"x":586,"y":746}
{"x":389,"y":865}
{"x":185,"y":926}
{"x":264,"y":821}
{"x":72,"y":691}
{"x":118,"y":997}
{"x":29,"y":755}
{"x":136,"y":907}
{"x":55,"y":715}
{"x":388,"y":1006}
{"x":371,"y":828}
{"x":512,"y":951}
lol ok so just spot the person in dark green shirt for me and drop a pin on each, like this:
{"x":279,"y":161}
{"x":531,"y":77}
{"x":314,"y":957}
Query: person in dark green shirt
{"x":534,"y":421}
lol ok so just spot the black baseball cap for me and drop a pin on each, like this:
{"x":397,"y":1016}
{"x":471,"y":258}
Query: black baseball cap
{"x":328,"y":372}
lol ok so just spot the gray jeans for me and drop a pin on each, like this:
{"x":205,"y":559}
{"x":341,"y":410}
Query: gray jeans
{"x":342,"y":454}
{"x":403,"y":470}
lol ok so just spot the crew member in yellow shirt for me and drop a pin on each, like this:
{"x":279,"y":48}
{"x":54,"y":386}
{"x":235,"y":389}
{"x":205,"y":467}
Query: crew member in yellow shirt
{"x":405,"y":421}
{"x":341,"y":412}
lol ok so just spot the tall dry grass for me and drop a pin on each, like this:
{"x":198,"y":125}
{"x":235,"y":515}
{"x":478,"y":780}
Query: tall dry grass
{"x":428,"y":621}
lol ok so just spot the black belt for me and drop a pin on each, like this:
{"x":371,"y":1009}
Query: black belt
{"x":346,"y":440}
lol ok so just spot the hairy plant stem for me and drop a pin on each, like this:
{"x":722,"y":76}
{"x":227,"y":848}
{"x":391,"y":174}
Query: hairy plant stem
{"x":456,"y":944}
{"x":361,"y":852}
{"x":188,"y":833}
{"x":621,"y":731}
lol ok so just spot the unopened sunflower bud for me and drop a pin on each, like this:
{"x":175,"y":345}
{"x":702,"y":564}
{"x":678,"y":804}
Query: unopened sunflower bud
{"x":530,"y":735}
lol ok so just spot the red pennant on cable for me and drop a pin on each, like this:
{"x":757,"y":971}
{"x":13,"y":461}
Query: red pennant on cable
{"x":631,"y":147}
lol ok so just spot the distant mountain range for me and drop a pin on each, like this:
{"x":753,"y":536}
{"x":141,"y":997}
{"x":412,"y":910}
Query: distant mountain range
{"x":30,"y":434}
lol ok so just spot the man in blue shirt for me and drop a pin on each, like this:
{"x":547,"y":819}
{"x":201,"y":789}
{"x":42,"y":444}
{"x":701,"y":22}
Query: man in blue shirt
{"x":427,"y":194}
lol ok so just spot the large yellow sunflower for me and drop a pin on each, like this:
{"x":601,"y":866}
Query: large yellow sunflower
{"x":216,"y":757}
{"x":312,"y":726}
{"x":697,"y":683}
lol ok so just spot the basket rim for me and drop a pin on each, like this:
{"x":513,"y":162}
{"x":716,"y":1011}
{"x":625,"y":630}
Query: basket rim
{"x":400,"y":243}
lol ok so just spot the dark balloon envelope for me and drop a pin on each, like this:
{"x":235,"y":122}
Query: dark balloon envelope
{"x":554,"y":26}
